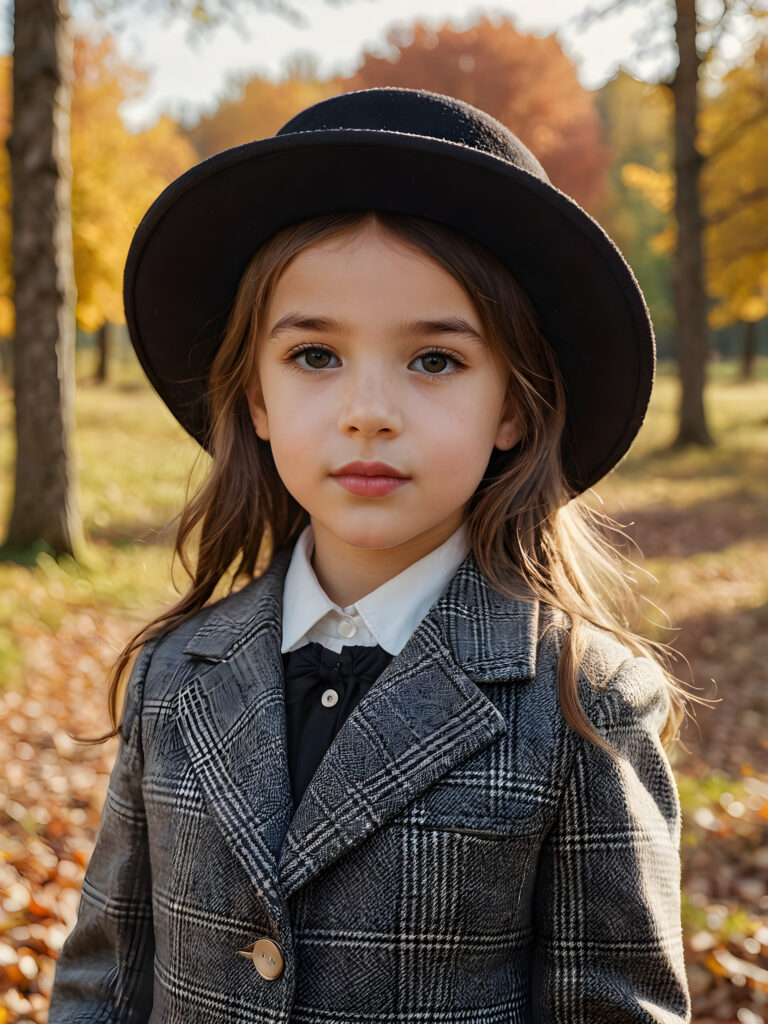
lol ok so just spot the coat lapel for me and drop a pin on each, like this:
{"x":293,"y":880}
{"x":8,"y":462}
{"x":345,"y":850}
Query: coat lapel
{"x":231,"y":718}
{"x":421,"y":717}
{"x":424,"y":715}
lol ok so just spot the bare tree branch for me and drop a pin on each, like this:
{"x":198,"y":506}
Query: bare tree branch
{"x":199,"y":14}
{"x":732,"y":137}
{"x":587,"y":18}
{"x":743,"y":202}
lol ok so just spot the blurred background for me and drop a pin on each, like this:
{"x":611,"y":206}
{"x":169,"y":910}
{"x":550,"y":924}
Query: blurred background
{"x":653,"y":115}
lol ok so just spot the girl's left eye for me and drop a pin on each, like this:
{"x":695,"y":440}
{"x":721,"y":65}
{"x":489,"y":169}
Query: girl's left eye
{"x":438,"y":364}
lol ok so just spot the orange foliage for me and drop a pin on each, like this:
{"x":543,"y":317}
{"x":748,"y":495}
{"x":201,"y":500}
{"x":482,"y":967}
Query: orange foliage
{"x":260,"y":109}
{"x":116,"y":175}
{"x":526,"y":82}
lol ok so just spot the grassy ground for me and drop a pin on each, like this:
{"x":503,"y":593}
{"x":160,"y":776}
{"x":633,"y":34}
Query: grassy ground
{"x":699,"y":518}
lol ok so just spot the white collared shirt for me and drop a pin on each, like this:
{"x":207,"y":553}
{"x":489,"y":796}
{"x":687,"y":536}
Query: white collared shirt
{"x":387,"y":616}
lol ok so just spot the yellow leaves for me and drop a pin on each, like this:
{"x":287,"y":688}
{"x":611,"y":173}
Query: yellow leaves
{"x":257,"y":109}
{"x":755,"y":308}
{"x":200,"y":14}
{"x":639,"y":114}
{"x":742,"y":288}
{"x":115,"y":177}
{"x":733,"y":138}
{"x":7,"y":318}
{"x":658,"y":187}
{"x":734,"y":135}
{"x":665,"y":241}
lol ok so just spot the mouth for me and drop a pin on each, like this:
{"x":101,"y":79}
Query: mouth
{"x":369,"y":469}
{"x":369,"y":479}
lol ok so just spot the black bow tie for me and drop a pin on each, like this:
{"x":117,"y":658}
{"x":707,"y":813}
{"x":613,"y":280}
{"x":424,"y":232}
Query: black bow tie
{"x":313,"y":665}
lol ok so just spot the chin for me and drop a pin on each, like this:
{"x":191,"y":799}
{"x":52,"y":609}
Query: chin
{"x":368,"y":535}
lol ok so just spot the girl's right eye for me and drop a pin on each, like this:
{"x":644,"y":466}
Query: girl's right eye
{"x":312,"y":352}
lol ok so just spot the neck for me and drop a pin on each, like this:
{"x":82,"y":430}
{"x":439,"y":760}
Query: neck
{"x":347,"y":573}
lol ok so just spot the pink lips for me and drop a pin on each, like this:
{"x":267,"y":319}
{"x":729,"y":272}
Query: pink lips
{"x":370,"y":479}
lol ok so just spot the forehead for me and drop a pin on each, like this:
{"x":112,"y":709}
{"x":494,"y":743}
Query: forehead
{"x":371,"y":263}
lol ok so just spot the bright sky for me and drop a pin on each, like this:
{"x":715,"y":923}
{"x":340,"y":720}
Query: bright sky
{"x":187,"y":77}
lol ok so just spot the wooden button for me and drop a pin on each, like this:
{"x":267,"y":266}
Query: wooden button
{"x":267,"y":957}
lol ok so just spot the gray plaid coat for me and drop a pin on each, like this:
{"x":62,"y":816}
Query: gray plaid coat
{"x":461,"y":855}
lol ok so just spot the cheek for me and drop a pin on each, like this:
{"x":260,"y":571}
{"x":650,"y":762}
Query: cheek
{"x":295,"y":439}
{"x":465,"y":431}
{"x":457,"y":457}
{"x":292,"y":420}
{"x":291,"y":451}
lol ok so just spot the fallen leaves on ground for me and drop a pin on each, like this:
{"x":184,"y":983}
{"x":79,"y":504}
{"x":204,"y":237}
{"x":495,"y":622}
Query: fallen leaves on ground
{"x":51,"y":797}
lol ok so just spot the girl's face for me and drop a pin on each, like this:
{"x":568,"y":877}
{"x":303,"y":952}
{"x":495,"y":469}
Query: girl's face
{"x":370,"y":351}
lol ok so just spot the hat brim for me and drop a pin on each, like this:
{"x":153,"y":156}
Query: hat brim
{"x":194,"y":242}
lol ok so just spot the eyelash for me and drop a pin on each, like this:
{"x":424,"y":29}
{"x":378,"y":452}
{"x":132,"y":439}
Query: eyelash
{"x":311,"y":371}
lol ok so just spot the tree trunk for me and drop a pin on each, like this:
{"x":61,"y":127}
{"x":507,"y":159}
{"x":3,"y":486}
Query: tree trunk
{"x":749,"y":351}
{"x":45,"y":507}
{"x":102,"y":347}
{"x":690,"y":296}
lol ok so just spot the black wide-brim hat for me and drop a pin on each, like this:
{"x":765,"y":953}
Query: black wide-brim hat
{"x":407,"y":151}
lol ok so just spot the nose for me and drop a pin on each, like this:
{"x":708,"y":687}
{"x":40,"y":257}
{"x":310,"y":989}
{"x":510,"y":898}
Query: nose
{"x":369,"y":403}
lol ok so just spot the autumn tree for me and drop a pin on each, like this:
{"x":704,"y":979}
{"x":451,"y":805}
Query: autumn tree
{"x":525,"y":82}
{"x":116,"y":174}
{"x":44,"y":504}
{"x":688,"y":277}
{"x":735,"y":185}
{"x":695,"y":40}
{"x":258,"y":107}
{"x":734,"y":194}
{"x":637,"y":119}
{"x":6,"y":270}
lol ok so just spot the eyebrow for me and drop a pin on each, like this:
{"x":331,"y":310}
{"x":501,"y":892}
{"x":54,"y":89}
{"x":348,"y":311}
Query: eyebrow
{"x":451,"y":325}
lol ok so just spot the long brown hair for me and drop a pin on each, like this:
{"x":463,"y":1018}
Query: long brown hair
{"x":525,"y":524}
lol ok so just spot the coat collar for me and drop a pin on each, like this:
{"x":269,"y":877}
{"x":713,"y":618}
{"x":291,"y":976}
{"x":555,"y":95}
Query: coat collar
{"x":491,"y":637}
{"x":424,"y":715}
{"x":389,"y":613}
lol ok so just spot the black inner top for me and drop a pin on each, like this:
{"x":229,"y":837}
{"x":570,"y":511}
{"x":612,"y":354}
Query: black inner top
{"x":310,"y":672}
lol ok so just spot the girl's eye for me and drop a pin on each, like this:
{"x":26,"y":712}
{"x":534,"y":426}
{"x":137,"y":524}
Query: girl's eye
{"x":436,"y":359}
{"x":315,"y":355}
{"x":435,"y":363}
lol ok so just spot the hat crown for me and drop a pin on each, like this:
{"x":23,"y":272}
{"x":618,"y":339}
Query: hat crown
{"x":417,"y":112}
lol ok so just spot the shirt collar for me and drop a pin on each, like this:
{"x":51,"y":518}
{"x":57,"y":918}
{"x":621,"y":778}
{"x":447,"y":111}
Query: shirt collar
{"x":391,"y":612}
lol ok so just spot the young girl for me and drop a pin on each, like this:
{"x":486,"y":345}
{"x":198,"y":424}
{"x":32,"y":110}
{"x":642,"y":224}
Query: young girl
{"x":414,"y":769}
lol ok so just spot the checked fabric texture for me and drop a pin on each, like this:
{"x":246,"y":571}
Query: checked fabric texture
{"x":460,"y":855}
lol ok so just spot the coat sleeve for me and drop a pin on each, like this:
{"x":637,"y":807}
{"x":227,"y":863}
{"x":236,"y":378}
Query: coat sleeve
{"x":607,"y":910}
{"x":105,"y":969}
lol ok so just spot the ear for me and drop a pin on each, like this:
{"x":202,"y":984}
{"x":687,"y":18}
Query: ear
{"x":510,"y":430}
{"x":258,"y":410}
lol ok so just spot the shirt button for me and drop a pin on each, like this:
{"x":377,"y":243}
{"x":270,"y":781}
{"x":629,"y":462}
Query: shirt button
{"x":267,"y":957}
{"x":329,"y":698}
{"x":346,"y":627}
